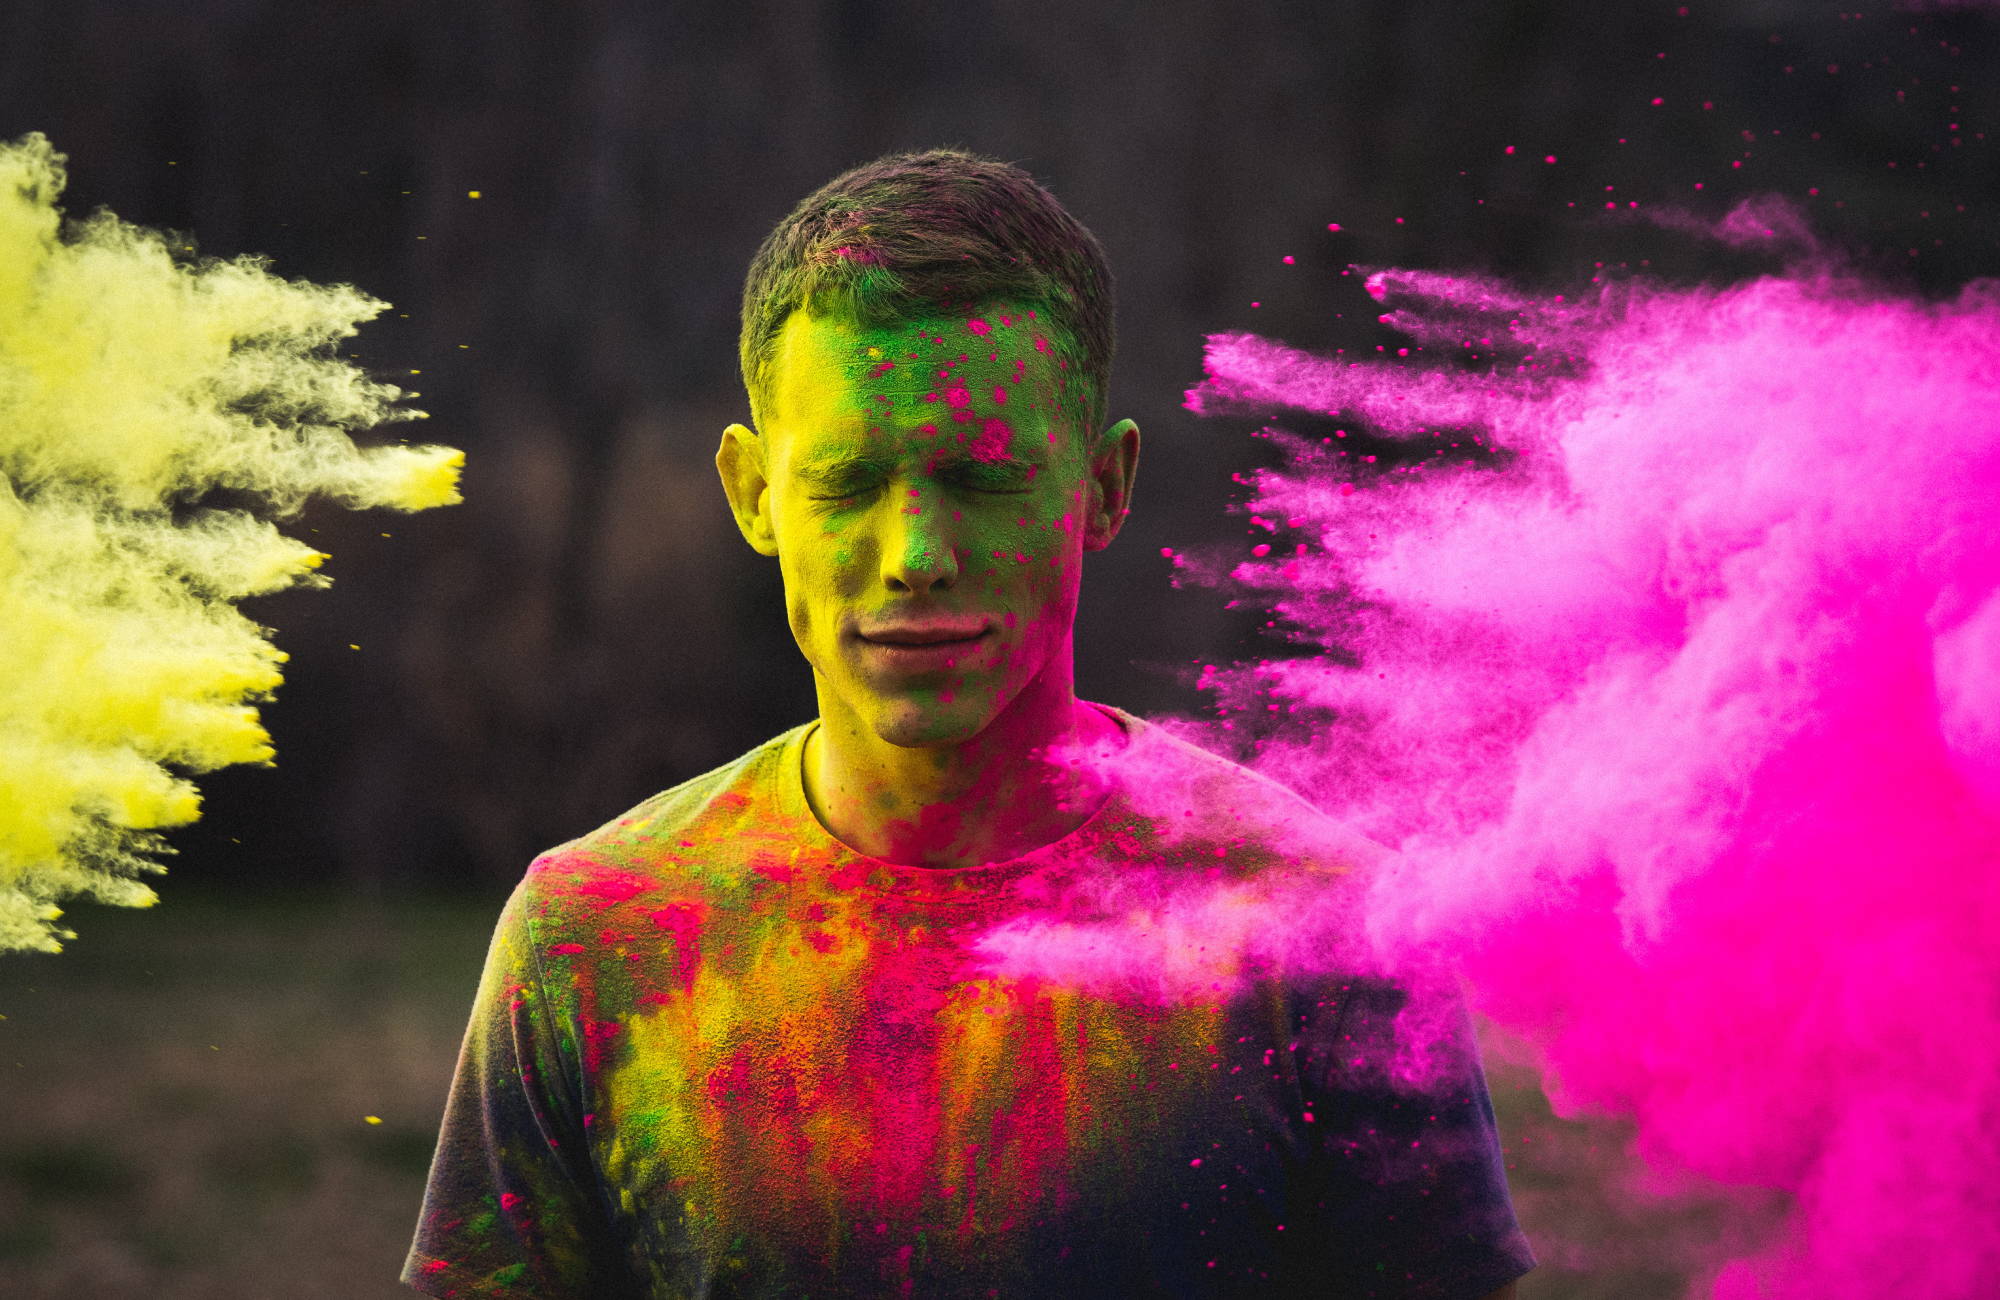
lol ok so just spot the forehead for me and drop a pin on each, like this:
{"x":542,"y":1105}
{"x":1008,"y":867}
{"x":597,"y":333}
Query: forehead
{"x":830,"y":373}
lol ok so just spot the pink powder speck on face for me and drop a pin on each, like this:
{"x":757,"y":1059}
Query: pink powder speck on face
{"x":995,"y":439}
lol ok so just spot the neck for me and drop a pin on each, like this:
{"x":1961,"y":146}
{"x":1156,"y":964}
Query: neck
{"x":990,"y":798}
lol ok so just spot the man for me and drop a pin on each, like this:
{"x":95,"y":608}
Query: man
{"x":966,"y":988}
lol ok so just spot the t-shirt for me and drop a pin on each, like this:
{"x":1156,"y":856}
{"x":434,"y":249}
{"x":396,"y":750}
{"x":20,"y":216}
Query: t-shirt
{"x":716,"y":1052}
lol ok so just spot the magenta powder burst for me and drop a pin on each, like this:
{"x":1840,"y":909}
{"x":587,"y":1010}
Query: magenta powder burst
{"x":1668,"y":654}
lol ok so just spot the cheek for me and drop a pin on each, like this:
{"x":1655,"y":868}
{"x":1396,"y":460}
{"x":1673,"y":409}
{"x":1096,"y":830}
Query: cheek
{"x":1027,"y":553}
{"x":813,"y":586}
{"x":1036,"y":582}
{"x":819,"y":553}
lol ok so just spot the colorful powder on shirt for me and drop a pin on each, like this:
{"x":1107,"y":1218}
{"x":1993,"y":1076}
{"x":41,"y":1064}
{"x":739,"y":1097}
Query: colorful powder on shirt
{"x":135,"y":382}
{"x":1664,"y":642}
{"x":795,"y":1069}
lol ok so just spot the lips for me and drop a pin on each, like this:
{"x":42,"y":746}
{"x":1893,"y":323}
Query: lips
{"x":921,"y":648}
{"x":923,"y":634}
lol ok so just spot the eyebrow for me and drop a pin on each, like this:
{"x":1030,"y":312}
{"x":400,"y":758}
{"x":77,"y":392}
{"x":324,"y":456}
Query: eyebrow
{"x":831,"y":465}
{"x":844,"y":464}
{"x":958,"y":457}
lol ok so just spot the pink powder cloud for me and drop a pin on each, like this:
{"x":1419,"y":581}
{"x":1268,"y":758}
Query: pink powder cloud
{"x":1685,"y":719}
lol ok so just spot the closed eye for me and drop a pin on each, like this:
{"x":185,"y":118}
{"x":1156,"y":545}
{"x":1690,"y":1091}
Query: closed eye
{"x":840,"y":487}
{"x":995,"y":476}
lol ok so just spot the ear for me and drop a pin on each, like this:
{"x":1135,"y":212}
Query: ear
{"x":740,"y":462}
{"x":1114,"y":463}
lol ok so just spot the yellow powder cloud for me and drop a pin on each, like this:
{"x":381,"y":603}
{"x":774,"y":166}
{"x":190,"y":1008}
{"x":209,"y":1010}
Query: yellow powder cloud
{"x":134,"y":383}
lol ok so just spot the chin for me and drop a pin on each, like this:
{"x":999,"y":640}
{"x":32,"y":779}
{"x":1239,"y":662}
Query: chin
{"x":930,"y":724}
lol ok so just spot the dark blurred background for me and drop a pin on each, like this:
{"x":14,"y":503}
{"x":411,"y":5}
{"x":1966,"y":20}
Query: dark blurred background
{"x":559,"y":201}
{"x":587,"y":627}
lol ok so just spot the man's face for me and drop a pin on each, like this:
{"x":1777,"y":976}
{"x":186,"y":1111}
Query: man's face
{"x":928,"y":492}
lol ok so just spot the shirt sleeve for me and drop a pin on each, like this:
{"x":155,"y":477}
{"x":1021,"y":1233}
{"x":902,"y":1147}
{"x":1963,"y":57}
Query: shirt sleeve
{"x":1407,"y":1180}
{"x":514,"y":1206}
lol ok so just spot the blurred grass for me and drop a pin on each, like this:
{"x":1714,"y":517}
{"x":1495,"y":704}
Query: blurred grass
{"x":186,"y":1090}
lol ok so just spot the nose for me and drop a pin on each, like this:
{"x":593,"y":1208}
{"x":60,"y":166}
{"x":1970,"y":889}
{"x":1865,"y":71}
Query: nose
{"x":917,"y":555}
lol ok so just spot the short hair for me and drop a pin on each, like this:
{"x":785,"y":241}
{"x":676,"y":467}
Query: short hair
{"x":916,"y":234}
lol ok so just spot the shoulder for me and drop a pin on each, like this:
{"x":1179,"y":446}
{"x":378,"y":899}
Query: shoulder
{"x":668,"y":842}
{"x":1196,"y":875}
{"x":1184,"y":789}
